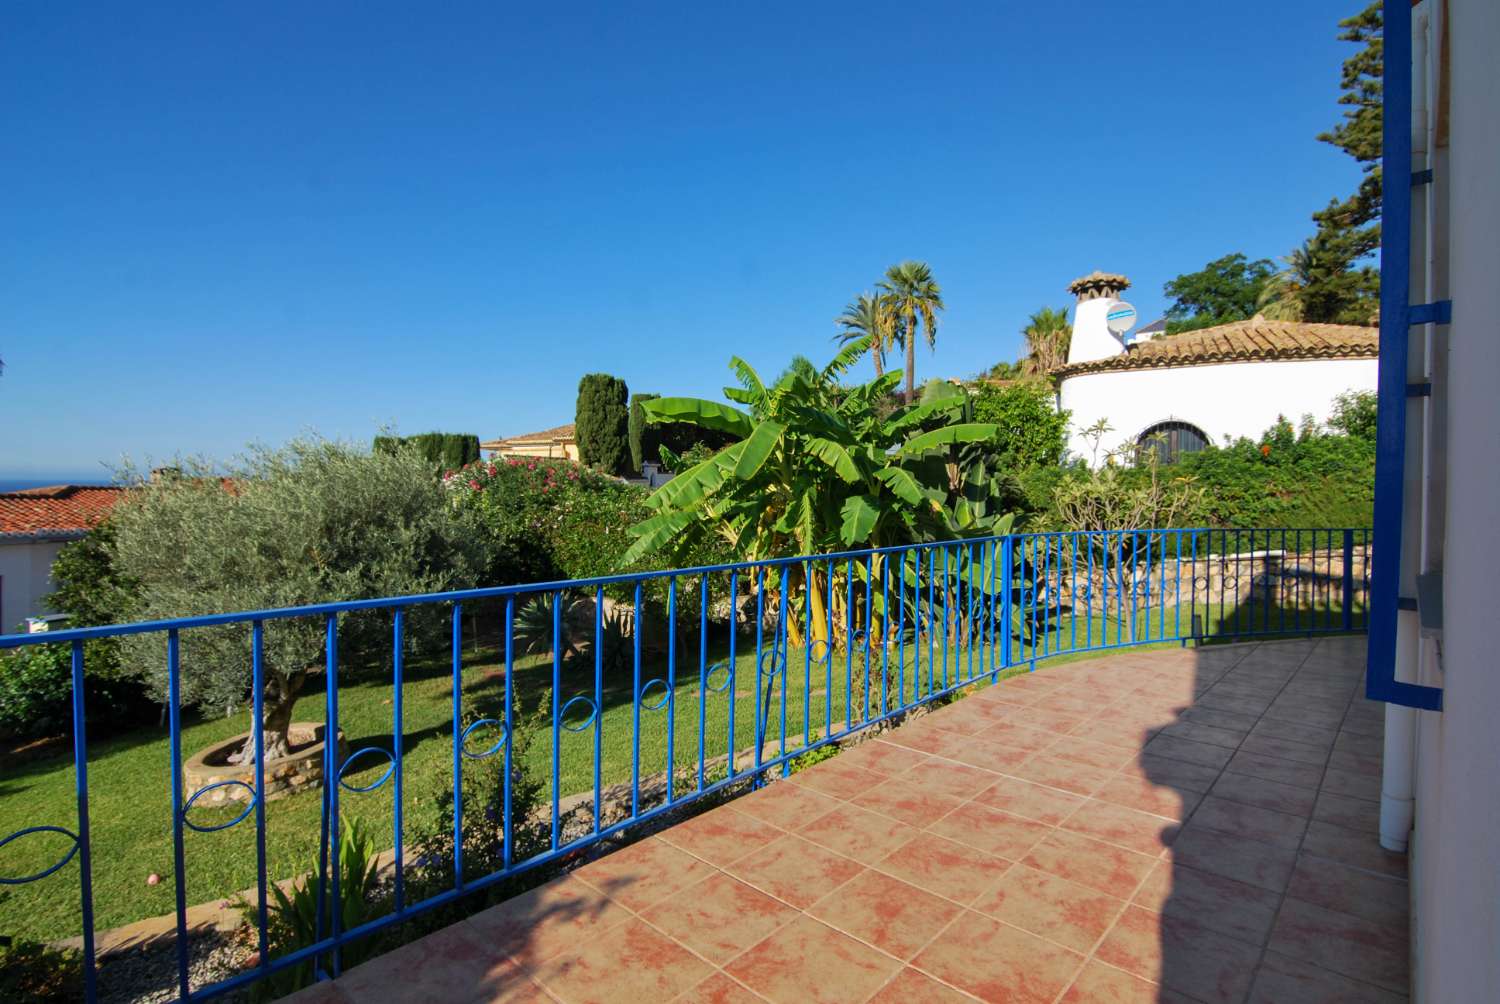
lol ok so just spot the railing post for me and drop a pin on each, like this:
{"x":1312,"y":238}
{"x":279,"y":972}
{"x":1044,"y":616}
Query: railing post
{"x":1348,"y":580}
{"x":1007,"y":566}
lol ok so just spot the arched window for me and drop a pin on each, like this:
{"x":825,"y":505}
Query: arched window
{"x":1171,"y":440}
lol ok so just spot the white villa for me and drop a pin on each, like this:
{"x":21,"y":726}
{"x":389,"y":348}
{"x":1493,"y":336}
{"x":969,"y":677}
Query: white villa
{"x":1207,"y":386}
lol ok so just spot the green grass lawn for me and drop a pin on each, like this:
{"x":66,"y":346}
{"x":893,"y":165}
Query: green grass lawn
{"x":130,"y":776}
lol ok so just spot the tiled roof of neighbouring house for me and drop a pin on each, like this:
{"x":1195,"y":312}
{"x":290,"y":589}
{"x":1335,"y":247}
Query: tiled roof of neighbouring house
{"x":57,"y":510}
{"x":563,"y":433}
{"x":1255,"y":340}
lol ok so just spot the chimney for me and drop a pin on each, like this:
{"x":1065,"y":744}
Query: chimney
{"x":1092,"y":339}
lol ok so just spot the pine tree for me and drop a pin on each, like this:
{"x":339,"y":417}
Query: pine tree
{"x":1349,"y":230}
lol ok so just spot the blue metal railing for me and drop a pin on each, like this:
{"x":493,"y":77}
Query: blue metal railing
{"x":856,"y":624}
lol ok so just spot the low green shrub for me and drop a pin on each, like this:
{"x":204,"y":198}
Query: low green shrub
{"x":34,"y":973}
{"x":36,"y":692}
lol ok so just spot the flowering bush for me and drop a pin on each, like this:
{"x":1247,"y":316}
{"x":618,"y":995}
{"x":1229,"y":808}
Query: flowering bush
{"x":547,"y":519}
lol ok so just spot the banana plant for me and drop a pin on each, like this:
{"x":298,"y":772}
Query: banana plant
{"x":818,"y":466}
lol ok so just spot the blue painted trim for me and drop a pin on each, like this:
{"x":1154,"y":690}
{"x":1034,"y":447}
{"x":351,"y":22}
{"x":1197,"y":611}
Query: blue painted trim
{"x":1396,"y":318}
{"x":1437,"y":312}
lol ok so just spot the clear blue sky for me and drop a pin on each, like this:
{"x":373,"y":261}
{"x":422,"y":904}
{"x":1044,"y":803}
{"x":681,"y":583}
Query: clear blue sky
{"x":231,"y":222}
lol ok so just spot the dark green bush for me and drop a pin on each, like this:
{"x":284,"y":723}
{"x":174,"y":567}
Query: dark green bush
{"x":36,"y":692}
{"x":1033,"y":433}
{"x":645,"y":437}
{"x":602,"y":421}
{"x":33,"y":973}
{"x":445,"y":451}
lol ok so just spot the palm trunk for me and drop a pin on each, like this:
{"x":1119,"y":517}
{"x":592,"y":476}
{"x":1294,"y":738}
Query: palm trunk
{"x":911,"y":365}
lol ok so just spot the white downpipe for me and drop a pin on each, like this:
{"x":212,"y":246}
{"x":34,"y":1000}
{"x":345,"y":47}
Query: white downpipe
{"x":1397,"y":801}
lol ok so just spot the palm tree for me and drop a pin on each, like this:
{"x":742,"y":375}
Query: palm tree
{"x":868,"y":316}
{"x":1047,"y":335}
{"x":1283,"y":296}
{"x":915,"y":299}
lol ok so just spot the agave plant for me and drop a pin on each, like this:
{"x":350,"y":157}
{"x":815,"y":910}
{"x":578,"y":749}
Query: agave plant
{"x":817,"y":467}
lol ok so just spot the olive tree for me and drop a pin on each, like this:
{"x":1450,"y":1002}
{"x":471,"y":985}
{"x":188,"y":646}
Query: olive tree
{"x":312,"y":522}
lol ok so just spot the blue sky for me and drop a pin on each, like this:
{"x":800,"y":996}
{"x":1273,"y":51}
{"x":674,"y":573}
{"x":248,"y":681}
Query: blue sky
{"x":227,"y":222}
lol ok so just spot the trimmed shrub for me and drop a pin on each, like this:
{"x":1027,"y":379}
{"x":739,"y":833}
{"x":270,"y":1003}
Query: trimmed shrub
{"x":445,"y":451}
{"x":602,"y":420}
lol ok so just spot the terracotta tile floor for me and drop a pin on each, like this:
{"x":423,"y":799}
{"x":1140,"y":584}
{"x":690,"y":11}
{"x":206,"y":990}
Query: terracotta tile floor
{"x":1172,"y":825}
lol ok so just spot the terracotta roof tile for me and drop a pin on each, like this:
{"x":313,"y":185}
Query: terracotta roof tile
{"x":57,"y":509}
{"x":562,"y":432}
{"x":1242,"y":341}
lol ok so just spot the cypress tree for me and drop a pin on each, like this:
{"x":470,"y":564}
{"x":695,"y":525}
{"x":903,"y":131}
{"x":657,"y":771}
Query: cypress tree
{"x":602,"y":421}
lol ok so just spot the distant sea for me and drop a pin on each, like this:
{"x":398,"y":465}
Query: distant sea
{"x":20,"y":484}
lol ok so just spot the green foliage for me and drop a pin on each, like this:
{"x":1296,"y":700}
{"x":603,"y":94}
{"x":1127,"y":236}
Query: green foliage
{"x":34,"y":973}
{"x":1324,"y":279}
{"x":430,"y":826}
{"x":813,"y":757}
{"x":914,"y":298}
{"x":1032,"y":433}
{"x":602,"y":423}
{"x":311,"y":522}
{"x":1287,"y":478}
{"x":818,"y":469}
{"x":1354,"y":414}
{"x":36,"y":692}
{"x":445,"y":451}
{"x":294,"y":921}
{"x":869,"y":315}
{"x":1226,"y":289}
{"x":645,"y":438}
{"x":1047,"y":334}
{"x":547,"y":519}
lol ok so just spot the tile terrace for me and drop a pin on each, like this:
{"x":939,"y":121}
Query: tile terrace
{"x":1170,"y":825}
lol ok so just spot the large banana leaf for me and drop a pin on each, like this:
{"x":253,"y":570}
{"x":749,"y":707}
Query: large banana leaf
{"x":859,"y":514}
{"x":656,"y":531}
{"x":846,"y":358}
{"x":696,"y":411}
{"x":757,"y":449}
{"x":914,"y":416}
{"x":697,"y":482}
{"x":834,"y":456}
{"x":748,"y":377}
{"x":949,"y":435}
{"x":901,"y":483}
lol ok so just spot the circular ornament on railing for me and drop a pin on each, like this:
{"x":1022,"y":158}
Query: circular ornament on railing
{"x":708,"y":677}
{"x":46,"y":871}
{"x":778,"y":662}
{"x":827,"y":650}
{"x":249,"y":806}
{"x":492,"y":750}
{"x":593,"y":713}
{"x":660,"y":702}
{"x":389,"y":770}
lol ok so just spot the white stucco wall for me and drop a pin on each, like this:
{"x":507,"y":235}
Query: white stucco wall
{"x":1456,"y":874}
{"x":25,"y":577}
{"x":1226,"y":401}
{"x":1092,"y":338}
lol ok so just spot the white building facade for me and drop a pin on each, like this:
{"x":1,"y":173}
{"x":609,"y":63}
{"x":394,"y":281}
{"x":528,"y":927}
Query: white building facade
{"x":1208,"y":386}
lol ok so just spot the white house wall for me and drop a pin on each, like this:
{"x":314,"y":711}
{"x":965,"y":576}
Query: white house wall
{"x":1226,"y":401}
{"x":25,"y":577}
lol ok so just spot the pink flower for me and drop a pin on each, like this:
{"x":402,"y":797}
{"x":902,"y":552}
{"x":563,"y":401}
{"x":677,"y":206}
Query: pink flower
{"x":474,"y":485}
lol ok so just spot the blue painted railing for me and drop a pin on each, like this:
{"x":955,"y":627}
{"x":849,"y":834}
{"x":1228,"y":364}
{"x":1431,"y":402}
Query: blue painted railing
{"x":876,"y":632}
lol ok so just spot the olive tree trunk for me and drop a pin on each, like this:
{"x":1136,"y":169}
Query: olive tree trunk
{"x":278,"y":700}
